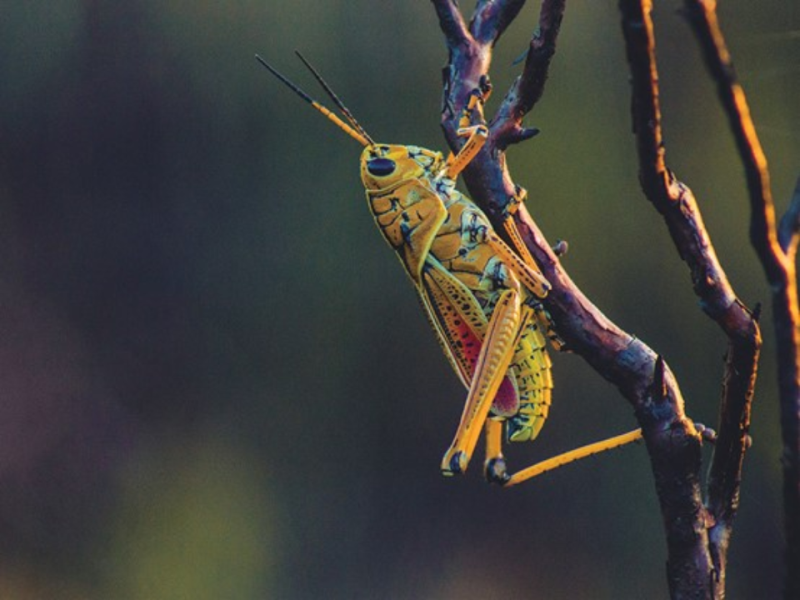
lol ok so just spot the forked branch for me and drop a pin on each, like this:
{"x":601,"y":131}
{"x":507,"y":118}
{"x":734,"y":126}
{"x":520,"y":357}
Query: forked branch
{"x":677,"y":205}
{"x":673,"y":443}
{"x":776,"y":249}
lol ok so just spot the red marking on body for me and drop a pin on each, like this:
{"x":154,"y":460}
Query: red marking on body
{"x":506,"y":401}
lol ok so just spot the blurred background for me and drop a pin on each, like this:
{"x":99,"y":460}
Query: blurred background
{"x":216,"y":380}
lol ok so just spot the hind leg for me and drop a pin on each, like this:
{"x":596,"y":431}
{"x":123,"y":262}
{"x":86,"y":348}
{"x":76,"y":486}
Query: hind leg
{"x":567,"y":457}
{"x":494,"y":468}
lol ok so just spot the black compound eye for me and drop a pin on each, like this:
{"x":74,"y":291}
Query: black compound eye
{"x":380,"y":167}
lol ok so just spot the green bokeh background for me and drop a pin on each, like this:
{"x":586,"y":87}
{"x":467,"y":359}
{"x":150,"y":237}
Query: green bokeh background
{"x":216,"y":381}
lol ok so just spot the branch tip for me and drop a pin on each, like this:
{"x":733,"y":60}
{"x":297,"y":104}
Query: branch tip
{"x":451,"y":22}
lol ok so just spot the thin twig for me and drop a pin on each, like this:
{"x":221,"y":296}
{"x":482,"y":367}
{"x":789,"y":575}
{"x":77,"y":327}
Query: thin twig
{"x":528,"y":88}
{"x":540,"y":52}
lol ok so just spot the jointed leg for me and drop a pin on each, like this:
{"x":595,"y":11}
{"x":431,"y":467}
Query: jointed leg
{"x":567,"y":457}
{"x":476,"y":134}
{"x":495,"y":466}
{"x":501,"y":339}
{"x":524,"y":267}
{"x":512,"y":231}
{"x":477,"y":138}
{"x":525,"y":256}
{"x":492,"y":364}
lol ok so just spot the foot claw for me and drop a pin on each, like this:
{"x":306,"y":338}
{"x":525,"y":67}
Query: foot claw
{"x":495,"y":471}
{"x":455,"y":464}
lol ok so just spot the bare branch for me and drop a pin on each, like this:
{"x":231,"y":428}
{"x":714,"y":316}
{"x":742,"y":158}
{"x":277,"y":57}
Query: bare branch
{"x":528,"y":88}
{"x":673,"y":443}
{"x":466,"y":70}
{"x":637,"y":28}
{"x":703,"y":18}
{"x":541,"y":51}
{"x":777,"y":257}
{"x":452,"y":22}
{"x":644,"y":379}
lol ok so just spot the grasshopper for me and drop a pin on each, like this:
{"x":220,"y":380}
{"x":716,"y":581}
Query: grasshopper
{"x":482,"y":296}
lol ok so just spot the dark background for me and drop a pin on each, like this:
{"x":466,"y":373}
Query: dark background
{"x":216,"y":380}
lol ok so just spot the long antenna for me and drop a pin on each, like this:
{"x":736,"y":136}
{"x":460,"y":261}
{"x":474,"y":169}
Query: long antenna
{"x":332,"y":95}
{"x":356,"y":135}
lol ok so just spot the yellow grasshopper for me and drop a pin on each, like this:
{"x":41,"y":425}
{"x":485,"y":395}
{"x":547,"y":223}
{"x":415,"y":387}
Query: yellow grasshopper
{"x":481,"y":296}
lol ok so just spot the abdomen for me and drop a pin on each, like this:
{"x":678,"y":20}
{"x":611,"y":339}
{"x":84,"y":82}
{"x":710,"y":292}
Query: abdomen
{"x":531,"y":366}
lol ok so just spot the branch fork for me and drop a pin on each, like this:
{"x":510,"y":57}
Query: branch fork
{"x":697,"y":532}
